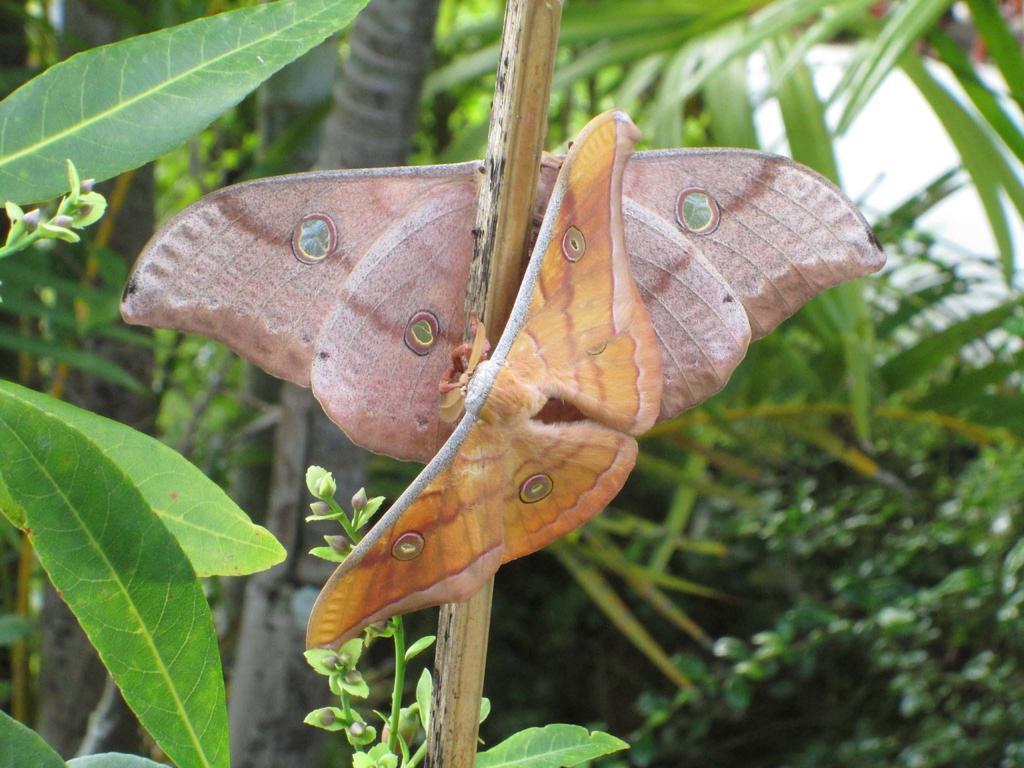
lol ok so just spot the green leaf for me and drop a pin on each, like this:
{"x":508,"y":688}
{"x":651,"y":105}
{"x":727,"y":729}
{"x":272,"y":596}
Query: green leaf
{"x":727,"y":100}
{"x":984,"y":99}
{"x":424,"y":696}
{"x":123,"y":575}
{"x":982,"y":159}
{"x":76,"y":358}
{"x":419,"y":647}
{"x":553,"y":746}
{"x":21,"y":746}
{"x":113,"y":760}
{"x":118,"y":106}
{"x":903,"y":369}
{"x":217,"y":536}
{"x":1003,"y":45}
{"x":907,"y":23}
{"x":613,"y":606}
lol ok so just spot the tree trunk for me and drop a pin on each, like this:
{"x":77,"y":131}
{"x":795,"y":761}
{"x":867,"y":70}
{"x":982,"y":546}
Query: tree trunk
{"x":371,"y":124}
{"x":377,"y":98}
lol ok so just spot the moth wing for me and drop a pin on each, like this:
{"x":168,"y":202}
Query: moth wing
{"x":232,"y":267}
{"x":769,"y":236}
{"x":582,"y":466}
{"x":452,"y":513}
{"x":584,"y":335}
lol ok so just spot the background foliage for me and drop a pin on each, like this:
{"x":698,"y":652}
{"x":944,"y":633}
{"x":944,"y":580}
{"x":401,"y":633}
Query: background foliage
{"x":823,"y":564}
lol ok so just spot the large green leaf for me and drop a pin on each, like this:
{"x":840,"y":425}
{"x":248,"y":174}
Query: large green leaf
{"x":123,"y":575}
{"x":21,"y":746}
{"x":116,"y":107}
{"x":217,"y":536}
{"x":553,"y":746}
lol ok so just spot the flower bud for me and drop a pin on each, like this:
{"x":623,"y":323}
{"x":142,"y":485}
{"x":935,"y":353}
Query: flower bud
{"x":359,"y":500}
{"x":31,"y":219}
{"x":327,"y":717}
{"x":339,"y":544}
{"x":62,"y":221}
{"x":87,"y":185}
{"x":320,"y":482}
{"x":320,"y":508}
{"x":357,"y":729}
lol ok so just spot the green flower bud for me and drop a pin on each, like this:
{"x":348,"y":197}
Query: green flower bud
{"x":320,"y":482}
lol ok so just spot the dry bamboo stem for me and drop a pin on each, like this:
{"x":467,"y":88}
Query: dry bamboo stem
{"x":503,"y":222}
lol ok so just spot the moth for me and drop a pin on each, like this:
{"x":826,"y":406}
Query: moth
{"x":650,"y":275}
{"x":352,"y":281}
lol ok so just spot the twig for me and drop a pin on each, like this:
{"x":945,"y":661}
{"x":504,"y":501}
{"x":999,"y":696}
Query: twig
{"x":504,"y":214}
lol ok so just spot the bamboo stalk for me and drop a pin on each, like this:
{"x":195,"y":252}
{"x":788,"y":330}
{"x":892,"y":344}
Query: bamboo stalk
{"x":503,"y":220}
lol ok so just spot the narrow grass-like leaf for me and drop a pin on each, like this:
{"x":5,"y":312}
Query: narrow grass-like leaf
{"x":908,"y":22}
{"x":678,"y":513}
{"x":834,"y":19}
{"x":803,"y":114}
{"x":217,"y":536}
{"x":961,"y":391}
{"x":606,"y":598}
{"x":1003,"y":44}
{"x":118,"y":106}
{"x":125,"y":578}
{"x":641,"y":76}
{"x":75,"y":358}
{"x":810,"y":143}
{"x":613,"y":559}
{"x":914,"y":303}
{"x":553,"y":746}
{"x":907,"y":367}
{"x":640,"y":582}
{"x":21,"y":747}
{"x":982,"y":160}
{"x":727,"y":100}
{"x":986,"y":101}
